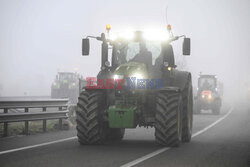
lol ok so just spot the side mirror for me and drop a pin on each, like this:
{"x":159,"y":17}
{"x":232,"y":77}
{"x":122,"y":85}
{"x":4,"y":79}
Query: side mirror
{"x":186,"y":46}
{"x":85,"y":47}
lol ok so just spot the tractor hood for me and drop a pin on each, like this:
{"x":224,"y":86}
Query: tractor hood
{"x":131,"y":69}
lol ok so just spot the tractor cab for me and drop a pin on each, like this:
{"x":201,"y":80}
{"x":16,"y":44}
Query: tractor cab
{"x":150,"y":47}
{"x":69,"y":76}
{"x":67,"y":79}
{"x":207,"y":82}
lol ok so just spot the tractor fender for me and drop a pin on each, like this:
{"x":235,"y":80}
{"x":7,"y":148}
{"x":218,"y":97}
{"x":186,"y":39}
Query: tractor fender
{"x":180,"y":79}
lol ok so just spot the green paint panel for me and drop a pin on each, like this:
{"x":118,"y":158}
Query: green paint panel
{"x":122,"y":117}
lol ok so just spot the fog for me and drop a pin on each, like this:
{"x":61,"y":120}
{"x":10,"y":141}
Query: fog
{"x":39,"y":38}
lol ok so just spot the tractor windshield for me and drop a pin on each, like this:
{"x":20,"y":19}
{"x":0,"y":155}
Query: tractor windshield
{"x":207,"y":83}
{"x":143,"y":49}
{"x":145,"y":52}
{"x":66,"y":76}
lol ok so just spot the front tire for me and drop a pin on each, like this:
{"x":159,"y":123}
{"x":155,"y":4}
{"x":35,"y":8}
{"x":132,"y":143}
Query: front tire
{"x":91,"y":128}
{"x":168,"y":118}
{"x":187,"y":113}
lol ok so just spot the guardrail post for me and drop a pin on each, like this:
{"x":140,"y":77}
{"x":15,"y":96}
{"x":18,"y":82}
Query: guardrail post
{"x":60,"y":120}
{"x":26,"y":130}
{"x":44,"y":121}
{"x":5,"y":125}
{"x":26,"y":117}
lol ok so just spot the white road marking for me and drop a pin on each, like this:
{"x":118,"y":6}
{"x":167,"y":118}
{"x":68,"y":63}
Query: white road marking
{"x":37,"y":145}
{"x":132,"y":163}
{"x":141,"y":159}
{"x":213,"y":124}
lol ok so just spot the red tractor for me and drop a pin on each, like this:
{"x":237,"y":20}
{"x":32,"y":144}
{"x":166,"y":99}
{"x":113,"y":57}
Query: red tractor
{"x":208,"y":94}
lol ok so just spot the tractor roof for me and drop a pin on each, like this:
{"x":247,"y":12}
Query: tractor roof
{"x":138,"y":36}
{"x":207,"y":76}
{"x":66,"y":73}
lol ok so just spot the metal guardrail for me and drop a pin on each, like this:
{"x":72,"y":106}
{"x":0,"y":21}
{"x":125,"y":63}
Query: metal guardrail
{"x":19,"y":117}
{"x":33,"y":103}
{"x":25,"y":116}
{"x":23,"y":97}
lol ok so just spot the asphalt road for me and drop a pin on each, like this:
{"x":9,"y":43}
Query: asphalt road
{"x":222,"y":140}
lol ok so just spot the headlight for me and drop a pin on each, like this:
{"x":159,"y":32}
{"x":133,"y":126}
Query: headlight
{"x":118,"y":77}
{"x":156,"y":34}
{"x":127,"y":35}
{"x":148,"y":34}
{"x":210,"y":96}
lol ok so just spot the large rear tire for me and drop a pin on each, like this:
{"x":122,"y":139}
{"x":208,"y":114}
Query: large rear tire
{"x":91,"y":127}
{"x":187,"y":124}
{"x":168,"y":118}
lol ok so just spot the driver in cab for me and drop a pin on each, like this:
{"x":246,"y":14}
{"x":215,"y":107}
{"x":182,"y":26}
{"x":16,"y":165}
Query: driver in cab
{"x":144,"y":56}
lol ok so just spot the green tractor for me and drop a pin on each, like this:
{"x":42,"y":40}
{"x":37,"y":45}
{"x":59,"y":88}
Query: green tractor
{"x":140,"y":87}
{"x":66,"y":85}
